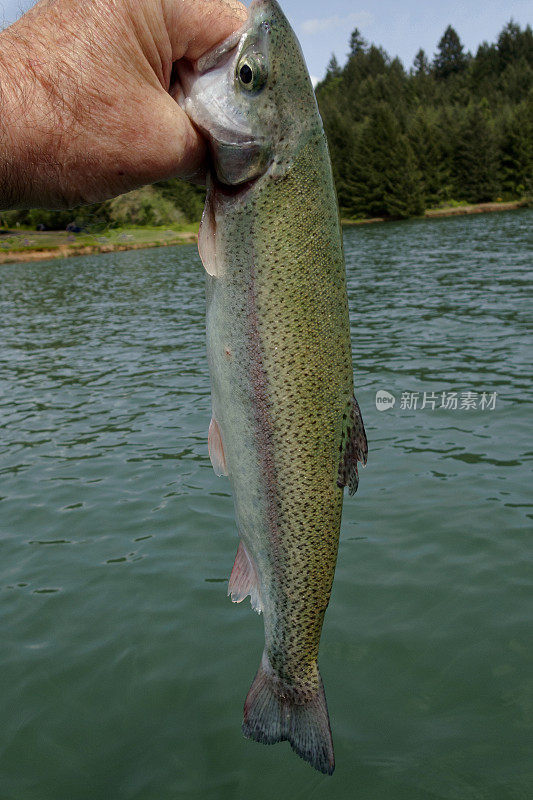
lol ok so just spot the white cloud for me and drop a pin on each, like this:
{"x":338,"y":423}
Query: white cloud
{"x":314,"y":80}
{"x":319,"y":24}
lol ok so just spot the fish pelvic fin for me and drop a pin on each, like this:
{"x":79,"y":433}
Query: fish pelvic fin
{"x":354,"y":447}
{"x":244,"y":579}
{"x":274,"y":713}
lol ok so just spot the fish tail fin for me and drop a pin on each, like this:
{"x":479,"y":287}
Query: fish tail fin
{"x":274,"y":713}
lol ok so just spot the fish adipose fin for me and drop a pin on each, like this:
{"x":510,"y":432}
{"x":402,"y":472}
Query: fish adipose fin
{"x":243,"y":580}
{"x":274,"y":713}
{"x":216,"y":449}
{"x":353,"y":447}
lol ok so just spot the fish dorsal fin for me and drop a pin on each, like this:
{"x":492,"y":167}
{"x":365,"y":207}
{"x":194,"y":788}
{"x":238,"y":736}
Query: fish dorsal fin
{"x":216,"y":449}
{"x":353,"y":447}
{"x":244,"y":579}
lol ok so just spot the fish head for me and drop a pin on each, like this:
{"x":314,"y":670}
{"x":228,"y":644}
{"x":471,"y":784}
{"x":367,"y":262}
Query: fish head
{"x":252,"y":97}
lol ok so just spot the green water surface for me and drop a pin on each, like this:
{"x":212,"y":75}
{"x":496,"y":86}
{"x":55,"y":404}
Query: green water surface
{"x":124,"y":667}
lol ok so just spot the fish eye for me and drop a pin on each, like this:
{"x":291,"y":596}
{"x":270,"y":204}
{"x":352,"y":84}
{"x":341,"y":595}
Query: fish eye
{"x":245,"y":74}
{"x":252,"y":73}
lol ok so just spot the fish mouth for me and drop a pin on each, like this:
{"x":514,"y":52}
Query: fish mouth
{"x":231,"y":190}
{"x":238,"y":153}
{"x":188,"y":73}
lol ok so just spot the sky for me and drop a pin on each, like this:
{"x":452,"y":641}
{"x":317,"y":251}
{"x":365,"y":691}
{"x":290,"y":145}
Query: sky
{"x":401,"y":27}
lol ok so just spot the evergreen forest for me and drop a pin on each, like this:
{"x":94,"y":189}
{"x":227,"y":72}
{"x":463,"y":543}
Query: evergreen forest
{"x":454,"y":128}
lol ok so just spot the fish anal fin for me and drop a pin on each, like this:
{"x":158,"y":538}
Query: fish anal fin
{"x":216,"y":449}
{"x":244,"y":580}
{"x":353,"y":448}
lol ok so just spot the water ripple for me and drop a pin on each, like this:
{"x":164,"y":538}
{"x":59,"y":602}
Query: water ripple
{"x":124,"y":666}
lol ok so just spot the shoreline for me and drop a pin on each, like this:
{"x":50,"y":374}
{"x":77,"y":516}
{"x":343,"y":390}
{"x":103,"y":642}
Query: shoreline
{"x":450,"y":211}
{"x":68,"y":249}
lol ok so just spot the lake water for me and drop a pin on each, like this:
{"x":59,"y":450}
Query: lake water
{"x":124,"y":667}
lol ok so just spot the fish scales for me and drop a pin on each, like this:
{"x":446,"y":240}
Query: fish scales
{"x":286,"y":427}
{"x":296,"y":382}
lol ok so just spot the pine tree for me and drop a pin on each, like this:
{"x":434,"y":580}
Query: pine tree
{"x":449,"y":59}
{"x":384,"y":179}
{"x":421,"y":63}
{"x":357,"y":43}
{"x":425,"y":139}
{"x":475,"y":159}
{"x":333,"y":69}
{"x":420,"y":87}
{"x":340,"y":136}
{"x":485,"y":71}
{"x":516,"y":151}
{"x":516,"y":80}
{"x":512,"y":43}
{"x":403,"y":195}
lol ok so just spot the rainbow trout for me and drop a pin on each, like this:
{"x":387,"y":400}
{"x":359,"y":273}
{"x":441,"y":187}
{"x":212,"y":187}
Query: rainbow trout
{"x":286,"y":427}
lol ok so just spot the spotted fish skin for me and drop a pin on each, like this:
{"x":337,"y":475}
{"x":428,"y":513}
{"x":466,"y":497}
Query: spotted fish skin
{"x":288,"y":429}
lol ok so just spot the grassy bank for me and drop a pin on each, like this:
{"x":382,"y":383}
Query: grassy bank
{"x":29,"y":245}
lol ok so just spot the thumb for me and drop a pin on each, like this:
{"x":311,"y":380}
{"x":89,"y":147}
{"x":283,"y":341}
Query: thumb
{"x":195,"y":27}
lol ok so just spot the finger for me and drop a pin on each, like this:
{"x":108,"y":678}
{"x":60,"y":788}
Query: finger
{"x":180,"y":148}
{"x":195,"y":27}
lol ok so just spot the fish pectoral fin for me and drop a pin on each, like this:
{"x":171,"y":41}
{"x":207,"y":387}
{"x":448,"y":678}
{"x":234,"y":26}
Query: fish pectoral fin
{"x":216,"y":449}
{"x":207,"y":235}
{"x":353,"y":447}
{"x":244,"y":579}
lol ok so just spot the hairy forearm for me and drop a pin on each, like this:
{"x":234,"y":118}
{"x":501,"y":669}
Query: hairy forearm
{"x":59,"y":144}
{"x":24,"y":144}
{"x":38,"y":130}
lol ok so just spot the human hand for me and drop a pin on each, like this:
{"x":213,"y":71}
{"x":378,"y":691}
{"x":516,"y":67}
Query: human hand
{"x":85,"y":108}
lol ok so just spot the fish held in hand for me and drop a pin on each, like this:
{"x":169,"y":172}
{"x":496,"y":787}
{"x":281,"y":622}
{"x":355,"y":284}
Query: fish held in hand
{"x":286,"y":427}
